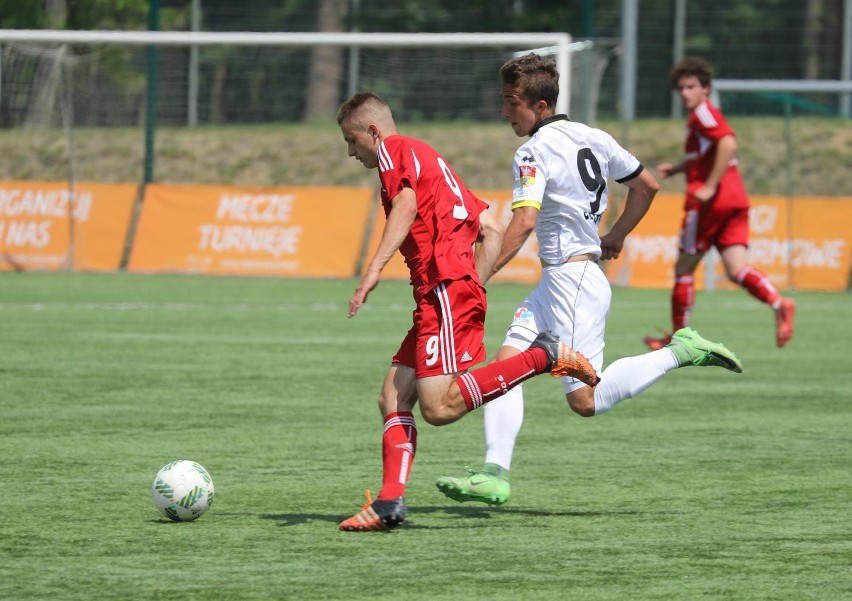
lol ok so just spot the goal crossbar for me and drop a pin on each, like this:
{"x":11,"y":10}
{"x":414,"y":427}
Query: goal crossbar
{"x":207,"y":38}
{"x":560,"y":43}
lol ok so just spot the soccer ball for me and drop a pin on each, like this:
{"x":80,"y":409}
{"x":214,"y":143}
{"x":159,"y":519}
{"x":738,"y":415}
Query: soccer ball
{"x":182,"y":490}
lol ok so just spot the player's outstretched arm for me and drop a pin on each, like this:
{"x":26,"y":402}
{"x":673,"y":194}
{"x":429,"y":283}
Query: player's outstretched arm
{"x":642,"y":190}
{"x":669,"y":169}
{"x":726,"y":148}
{"x":398,"y":225}
{"x":519,"y":229}
{"x":488,"y":244}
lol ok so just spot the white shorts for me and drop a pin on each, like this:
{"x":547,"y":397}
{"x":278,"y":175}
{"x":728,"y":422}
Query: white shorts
{"x":572,"y":301}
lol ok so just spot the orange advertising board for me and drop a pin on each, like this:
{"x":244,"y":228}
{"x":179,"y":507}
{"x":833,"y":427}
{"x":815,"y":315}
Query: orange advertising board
{"x":291,"y":231}
{"x":524,"y":268}
{"x":801,"y":242}
{"x":814,"y":255}
{"x":36,"y":232}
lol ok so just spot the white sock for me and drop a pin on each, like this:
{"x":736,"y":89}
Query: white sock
{"x":502,"y":419}
{"x":629,"y":376}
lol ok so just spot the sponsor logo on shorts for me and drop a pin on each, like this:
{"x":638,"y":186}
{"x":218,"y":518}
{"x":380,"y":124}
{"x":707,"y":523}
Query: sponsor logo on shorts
{"x":466,"y":357}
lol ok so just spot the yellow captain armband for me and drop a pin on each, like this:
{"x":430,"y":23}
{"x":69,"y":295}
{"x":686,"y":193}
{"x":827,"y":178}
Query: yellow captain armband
{"x":526,"y":202}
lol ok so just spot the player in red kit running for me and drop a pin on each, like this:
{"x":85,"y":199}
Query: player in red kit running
{"x":716,"y":206}
{"x":449,"y":241}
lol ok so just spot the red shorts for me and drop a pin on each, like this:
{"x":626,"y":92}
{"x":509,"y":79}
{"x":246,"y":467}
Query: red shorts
{"x":448,"y":331}
{"x":709,"y":227}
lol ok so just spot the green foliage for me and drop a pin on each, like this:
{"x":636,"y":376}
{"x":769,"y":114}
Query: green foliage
{"x":15,"y":14}
{"x":91,"y":14}
{"x":260,"y":15}
{"x":740,"y":38}
{"x":710,"y":485}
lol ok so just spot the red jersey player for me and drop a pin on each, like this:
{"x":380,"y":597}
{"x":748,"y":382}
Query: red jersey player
{"x":716,"y":206}
{"x":449,"y":241}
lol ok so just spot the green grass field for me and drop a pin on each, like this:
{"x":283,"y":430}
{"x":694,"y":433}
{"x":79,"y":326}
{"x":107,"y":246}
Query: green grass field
{"x":710,"y":486}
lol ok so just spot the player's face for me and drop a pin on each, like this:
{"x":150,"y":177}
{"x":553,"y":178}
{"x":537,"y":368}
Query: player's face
{"x":520,"y":115}
{"x":362,"y":143}
{"x":692,"y":93}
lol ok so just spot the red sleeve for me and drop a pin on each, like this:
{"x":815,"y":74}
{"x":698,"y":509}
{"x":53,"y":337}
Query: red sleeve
{"x":481,"y":204}
{"x":396,"y":166}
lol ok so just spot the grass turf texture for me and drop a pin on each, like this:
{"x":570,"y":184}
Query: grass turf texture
{"x":711,"y":485}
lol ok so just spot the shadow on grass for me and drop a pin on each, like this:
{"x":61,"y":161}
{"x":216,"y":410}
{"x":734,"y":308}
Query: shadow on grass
{"x":483,"y":514}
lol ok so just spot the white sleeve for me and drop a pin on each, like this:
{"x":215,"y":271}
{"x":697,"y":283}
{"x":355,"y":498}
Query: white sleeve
{"x":622,"y":164}
{"x":529,"y":179}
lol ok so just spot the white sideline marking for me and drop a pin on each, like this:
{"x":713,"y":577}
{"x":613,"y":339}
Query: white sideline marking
{"x":236,"y":308}
{"x":747,"y":304}
{"x":284,"y":307}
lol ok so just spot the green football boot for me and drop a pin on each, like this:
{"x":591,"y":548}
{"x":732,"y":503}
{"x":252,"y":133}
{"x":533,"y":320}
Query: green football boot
{"x":477,"y":486}
{"x":690,"y":348}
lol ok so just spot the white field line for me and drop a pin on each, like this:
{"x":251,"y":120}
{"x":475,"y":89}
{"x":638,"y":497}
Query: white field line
{"x":745,"y":304}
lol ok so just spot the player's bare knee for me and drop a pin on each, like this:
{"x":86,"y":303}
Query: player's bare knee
{"x":583,"y":407}
{"x":436,"y":416}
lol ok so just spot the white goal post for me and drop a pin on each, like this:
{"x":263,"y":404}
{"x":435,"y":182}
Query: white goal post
{"x":116,"y":87}
{"x":108,"y":92}
{"x":560,"y":43}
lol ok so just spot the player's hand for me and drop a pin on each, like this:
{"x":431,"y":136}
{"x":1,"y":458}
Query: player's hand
{"x":368,"y":283}
{"x":704,"y":193}
{"x":611,"y":246}
{"x":665,"y":170}
{"x":356,"y":301}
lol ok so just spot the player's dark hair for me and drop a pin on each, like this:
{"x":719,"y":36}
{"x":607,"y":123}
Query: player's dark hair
{"x":692,"y":66}
{"x":357,"y":101}
{"x":535,"y":77}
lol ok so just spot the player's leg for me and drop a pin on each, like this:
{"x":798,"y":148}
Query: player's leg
{"x":502,"y":420}
{"x":399,"y":434}
{"x":559,"y":302}
{"x":441,"y":404}
{"x":629,"y":376}
{"x":733,"y":245}
{"x":399,"y":446}
{"x":754,"y":281}
{"x":683,"y":291}
{"x":551,"y":306}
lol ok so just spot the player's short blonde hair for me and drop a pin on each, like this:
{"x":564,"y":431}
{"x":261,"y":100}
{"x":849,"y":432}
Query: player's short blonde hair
{"x":365,"y":107}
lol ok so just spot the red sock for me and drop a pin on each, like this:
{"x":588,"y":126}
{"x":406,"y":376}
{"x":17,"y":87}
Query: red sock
{"x":495,"y":379}
{"x":399,"y":443}
{"x":757,"y":284}
{"x":683,"y":296}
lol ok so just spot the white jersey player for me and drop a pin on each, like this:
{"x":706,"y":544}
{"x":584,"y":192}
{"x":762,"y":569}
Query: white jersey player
{"x":561,"y":177}
{"x":562,"y":171}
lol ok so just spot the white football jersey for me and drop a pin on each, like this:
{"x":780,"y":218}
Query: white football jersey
{"x":563,"y":171}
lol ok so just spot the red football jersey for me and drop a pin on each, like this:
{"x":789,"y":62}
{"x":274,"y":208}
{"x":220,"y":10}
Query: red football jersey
{"x":439,"y":246}
{"x":704,"y":128}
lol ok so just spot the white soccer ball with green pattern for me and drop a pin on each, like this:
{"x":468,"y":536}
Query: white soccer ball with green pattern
{"x":182,"y":490}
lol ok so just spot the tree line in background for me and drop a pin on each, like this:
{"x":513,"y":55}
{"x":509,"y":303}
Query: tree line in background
{"x":748,"y":39}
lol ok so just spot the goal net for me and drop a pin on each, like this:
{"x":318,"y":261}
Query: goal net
{"x":69,"y":99}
